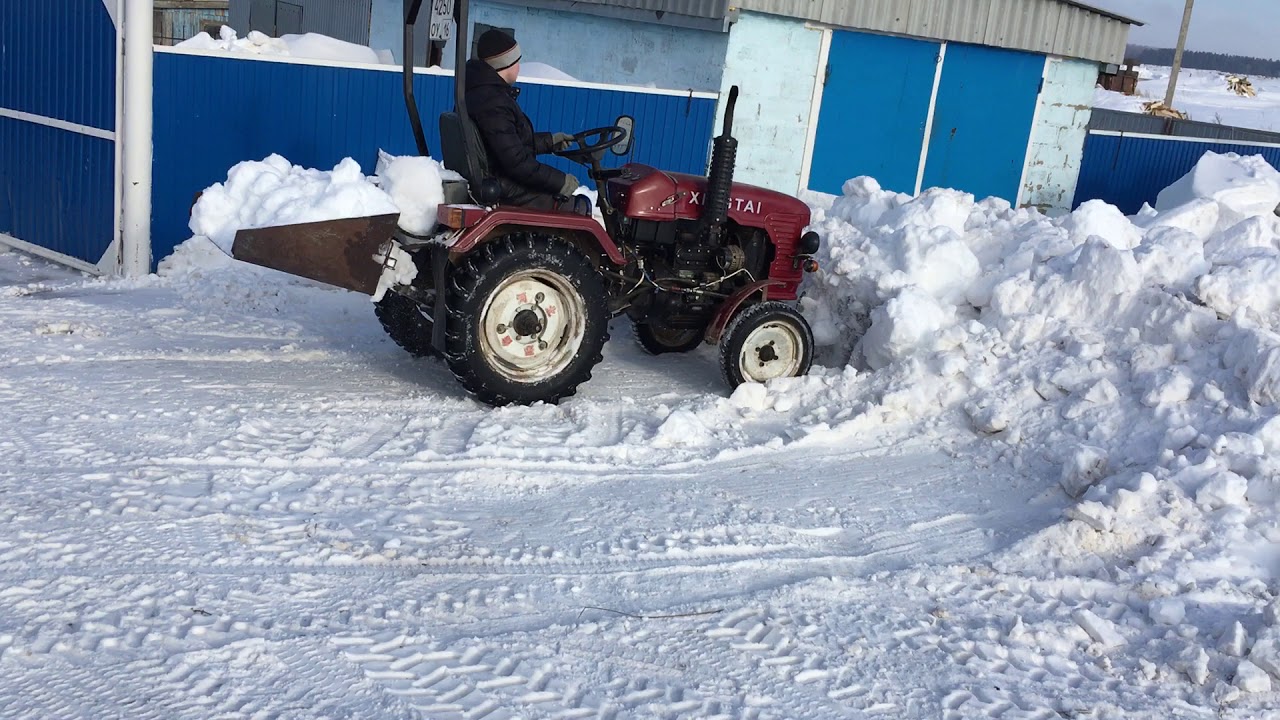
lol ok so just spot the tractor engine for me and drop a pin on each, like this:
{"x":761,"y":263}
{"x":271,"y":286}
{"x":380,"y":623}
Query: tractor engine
{"x":694,"y":241}
{"x":687,"y":271}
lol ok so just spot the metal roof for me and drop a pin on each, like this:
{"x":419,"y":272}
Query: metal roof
{"x":1053,"y":27}
{"x":715,"y":9}
{"x":697,"y":14}
{"x":1104,"y":11}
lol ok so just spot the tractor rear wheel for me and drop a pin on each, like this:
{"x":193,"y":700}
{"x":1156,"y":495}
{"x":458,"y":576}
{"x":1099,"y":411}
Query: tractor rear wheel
{"x":528,"y":316}
{"x":765,"y":341}
{"x":657,"y":338}
{"x":406,"y":323}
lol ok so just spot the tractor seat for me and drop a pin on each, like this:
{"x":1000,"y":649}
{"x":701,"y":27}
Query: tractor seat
{"x":464,"y":153}
{"x":462,"y":148}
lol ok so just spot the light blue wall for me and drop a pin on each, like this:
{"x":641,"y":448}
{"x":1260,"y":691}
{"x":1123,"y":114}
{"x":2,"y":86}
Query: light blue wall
{"x":590,"y":48}
{"x":774,"y":62}
{"x":1057,"y":138}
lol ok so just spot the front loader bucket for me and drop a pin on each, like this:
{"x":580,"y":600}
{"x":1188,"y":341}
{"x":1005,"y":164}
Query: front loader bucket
{"x":336,"y":252}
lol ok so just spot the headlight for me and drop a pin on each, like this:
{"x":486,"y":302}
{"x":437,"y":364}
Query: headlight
{"x":809,"y":243}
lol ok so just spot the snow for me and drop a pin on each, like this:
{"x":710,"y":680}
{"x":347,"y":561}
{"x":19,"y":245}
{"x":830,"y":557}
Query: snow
{"x":415,"y":185}
{"x":1102,"y":631}
{"x":1035,"y":474}
{"x":544,"y":71}
{"x":316,"y":46}
{"x":1167,"y":611}
{"x":273,"y":192}
{"x":309,"y":45}
{"x":1204,"y":96}
{"x":1242,"y":188}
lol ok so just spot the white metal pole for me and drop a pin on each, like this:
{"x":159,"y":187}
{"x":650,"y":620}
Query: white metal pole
{"x":135,"y":139}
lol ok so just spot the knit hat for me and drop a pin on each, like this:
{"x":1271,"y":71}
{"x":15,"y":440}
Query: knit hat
{"x":498,"y":49}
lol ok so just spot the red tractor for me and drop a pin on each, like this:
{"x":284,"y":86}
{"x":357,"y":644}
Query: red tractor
{"x":518,"y":301}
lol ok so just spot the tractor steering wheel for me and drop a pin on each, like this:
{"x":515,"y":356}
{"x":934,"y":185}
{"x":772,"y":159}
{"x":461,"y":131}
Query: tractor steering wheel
{"x":605,"y":138}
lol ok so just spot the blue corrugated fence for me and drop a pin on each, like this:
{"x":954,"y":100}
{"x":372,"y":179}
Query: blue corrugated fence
{"x":1129,"y":170}
{"x":316,"y":115}
{"x":57,"y":119}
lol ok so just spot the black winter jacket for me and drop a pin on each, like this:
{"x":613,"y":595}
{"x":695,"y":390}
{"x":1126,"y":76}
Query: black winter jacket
{"x":508,"y":135}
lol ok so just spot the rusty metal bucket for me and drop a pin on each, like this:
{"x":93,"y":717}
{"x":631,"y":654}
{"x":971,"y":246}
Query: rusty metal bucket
{"x":336,"y":252}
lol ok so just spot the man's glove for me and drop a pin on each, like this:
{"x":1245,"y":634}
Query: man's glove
{"x":570,"y":184}
{"x":561,"y":141}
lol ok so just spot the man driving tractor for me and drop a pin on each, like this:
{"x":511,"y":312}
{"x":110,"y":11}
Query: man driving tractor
{"x":508,"y":135}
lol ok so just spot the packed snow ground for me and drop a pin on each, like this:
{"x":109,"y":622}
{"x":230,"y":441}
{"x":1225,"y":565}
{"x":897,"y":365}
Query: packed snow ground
{"x":1204,"y":96}
{"x":1043,"y":485}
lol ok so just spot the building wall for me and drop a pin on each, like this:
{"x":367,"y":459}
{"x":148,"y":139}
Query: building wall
{"x":774,"y":62}
{"x":1058,"y":136}
{"x":587,"y":47}
{"x":342,"y":19}
{"x":172,"y":25}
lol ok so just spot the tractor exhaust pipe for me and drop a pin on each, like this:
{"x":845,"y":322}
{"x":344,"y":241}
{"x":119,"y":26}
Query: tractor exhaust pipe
{"x":724,"y":155}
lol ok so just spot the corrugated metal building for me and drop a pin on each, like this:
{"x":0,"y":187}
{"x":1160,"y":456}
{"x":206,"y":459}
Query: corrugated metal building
{"x":343,"y":19}
{"x":1051,"y":27}
{"x":178,"y":20}
{"x":987,"y":96}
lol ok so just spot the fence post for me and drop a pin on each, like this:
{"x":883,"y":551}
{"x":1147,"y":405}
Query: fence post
{"x":135,"y":139}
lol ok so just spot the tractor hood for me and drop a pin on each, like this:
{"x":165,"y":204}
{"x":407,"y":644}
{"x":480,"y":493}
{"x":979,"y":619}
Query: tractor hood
{"x":650,"y":194}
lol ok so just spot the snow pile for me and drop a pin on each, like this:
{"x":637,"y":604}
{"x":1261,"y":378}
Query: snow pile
{"x":309,"y":45}
{"x":1243,"y":187}
{"x":1135,"y":359}
{"x":274,"y":192}
{"x":265,"y":193}
{"x":416,"y":186}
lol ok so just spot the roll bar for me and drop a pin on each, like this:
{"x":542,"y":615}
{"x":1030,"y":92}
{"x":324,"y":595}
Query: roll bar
{"x":460,"y":22}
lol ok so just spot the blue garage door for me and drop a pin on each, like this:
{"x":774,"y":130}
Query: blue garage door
{"x":982,"y":120}
{"x":875,"y":104}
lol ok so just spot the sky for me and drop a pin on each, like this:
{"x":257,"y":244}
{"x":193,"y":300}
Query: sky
{"x":1238,"y":27}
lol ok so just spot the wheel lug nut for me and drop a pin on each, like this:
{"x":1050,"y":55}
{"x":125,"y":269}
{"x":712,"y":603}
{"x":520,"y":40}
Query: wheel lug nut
{"x":542,"y":345}
{"x":539,"y":298}
{"x":501,"y":328}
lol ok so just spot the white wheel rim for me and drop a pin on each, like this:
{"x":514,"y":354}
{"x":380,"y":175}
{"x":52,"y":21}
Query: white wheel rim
{"x":532,"y":325}
{"x":772,"y":350}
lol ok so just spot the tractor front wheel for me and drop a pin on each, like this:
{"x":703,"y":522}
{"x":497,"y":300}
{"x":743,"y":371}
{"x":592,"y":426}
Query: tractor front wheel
{"x":528,"y":316}
{"x":765,"y":341}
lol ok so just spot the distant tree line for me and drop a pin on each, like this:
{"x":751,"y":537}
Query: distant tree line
{"x":1238,"y":64}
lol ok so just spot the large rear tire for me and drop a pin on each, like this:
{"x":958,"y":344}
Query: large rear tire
{"x":528,"y":317}
{"x":765,"y":341}
{"x":406,"y":323}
